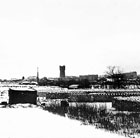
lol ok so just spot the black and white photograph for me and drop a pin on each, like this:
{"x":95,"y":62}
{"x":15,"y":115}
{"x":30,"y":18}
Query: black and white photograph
{"x":69,"y":68}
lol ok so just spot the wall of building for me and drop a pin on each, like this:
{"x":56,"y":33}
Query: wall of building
{"x":88,"y":77}
{"x":22,"y":96}
{"x":131,"y":75}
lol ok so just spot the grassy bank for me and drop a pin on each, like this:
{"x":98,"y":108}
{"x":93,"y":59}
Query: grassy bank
{"x":127,"y":123}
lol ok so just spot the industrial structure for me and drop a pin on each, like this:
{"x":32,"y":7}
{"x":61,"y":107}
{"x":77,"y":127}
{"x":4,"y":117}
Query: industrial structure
{"x":90,"y":78}
{"x":37,"y":77}
{"x":62,"y":71}
{"x":130,"y":75}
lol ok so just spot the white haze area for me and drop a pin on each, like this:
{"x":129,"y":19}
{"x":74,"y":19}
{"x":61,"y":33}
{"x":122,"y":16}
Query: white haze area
{"x":85,"y":35}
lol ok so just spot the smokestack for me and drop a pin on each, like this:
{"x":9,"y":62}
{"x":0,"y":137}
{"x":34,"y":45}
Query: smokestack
{"x":37,"y":78}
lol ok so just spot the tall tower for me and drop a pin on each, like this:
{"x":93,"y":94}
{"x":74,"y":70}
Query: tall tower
{"x":37,"y":77}
{"x":62,"y":71}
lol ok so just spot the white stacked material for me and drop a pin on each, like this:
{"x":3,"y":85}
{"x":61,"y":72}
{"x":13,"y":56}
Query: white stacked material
{"x":132,"y":98}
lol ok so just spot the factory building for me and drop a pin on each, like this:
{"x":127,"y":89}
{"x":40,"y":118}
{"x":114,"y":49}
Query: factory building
{"x":130,"y":75}
{"x":90,"y":78}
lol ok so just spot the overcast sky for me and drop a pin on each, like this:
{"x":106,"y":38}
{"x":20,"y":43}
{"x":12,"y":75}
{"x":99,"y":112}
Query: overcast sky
{"x":85,"y":35}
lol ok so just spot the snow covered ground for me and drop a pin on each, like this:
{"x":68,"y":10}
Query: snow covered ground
{"x":29,"y":121}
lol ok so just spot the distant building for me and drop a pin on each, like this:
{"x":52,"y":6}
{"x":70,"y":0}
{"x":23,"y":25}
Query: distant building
{"x":31,"y":78}
{"x":130,"y":75}
{"x":52,"y":79}
{"x":68,"y":78}
{"x":15,"y":80}
{"x":138,"y":76}
{"x":90,"y":78}
{"x":62,"y":71}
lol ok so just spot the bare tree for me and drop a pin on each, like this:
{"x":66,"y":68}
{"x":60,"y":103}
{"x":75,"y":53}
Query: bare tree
{"x":112,"y":70}
{"x":115,"y":76}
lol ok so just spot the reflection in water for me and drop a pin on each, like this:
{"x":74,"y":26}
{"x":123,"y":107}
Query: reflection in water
{"x":126,"y":123}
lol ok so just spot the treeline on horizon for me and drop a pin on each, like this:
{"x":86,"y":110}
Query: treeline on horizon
{"x":114,"y":78}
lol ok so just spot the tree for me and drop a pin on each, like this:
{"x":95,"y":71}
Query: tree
{"x":112,"y":70}
{"x":115,"y":77}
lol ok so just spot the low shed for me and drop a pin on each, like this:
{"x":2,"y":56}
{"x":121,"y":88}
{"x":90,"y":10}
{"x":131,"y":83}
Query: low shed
{"x":22,"y":96}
